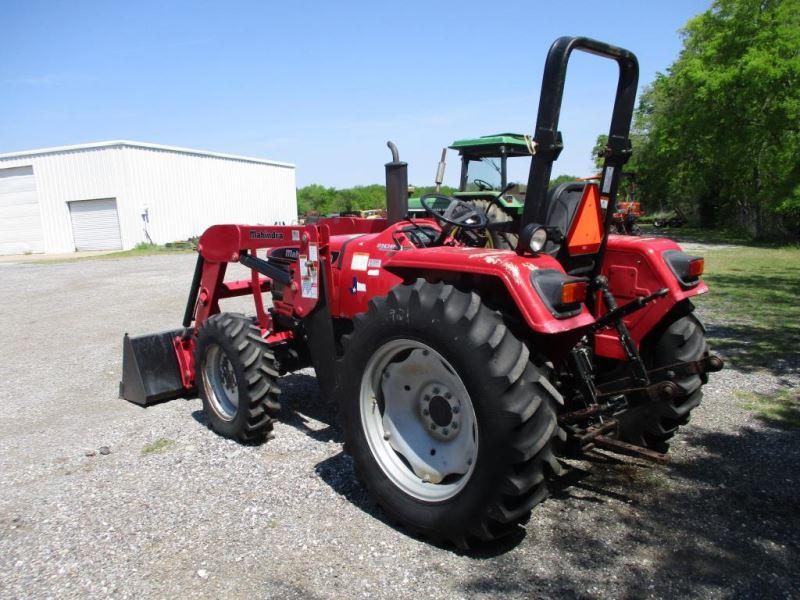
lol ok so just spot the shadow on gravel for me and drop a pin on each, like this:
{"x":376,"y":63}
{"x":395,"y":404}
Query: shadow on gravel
{"x":300,"y":407}
{"x":723,"y":519}
{"x":337,"y":471}
{"x":301,"y":403}
{"x":726,"y":520}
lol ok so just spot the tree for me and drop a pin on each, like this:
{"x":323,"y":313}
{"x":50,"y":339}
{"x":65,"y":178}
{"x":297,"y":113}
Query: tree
{"x":720,"y":131}
{"x":562,"y":179}
{"x":597,"y":151}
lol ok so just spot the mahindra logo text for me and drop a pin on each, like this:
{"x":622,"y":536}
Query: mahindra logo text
{"x":266,"y":235}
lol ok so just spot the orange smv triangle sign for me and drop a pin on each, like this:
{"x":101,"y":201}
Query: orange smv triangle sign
{"x":586,"y":231}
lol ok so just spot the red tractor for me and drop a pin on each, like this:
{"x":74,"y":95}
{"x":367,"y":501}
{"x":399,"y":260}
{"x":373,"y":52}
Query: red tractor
{"x":461,"y":373}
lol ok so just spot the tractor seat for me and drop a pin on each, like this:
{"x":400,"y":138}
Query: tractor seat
{"x":562,"y":204}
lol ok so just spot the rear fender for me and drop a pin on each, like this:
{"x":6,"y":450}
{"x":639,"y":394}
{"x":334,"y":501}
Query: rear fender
{"x":512,"y":270}
{"x":635,"y":266}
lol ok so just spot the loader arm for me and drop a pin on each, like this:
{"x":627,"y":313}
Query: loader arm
{"x":161,"y":366}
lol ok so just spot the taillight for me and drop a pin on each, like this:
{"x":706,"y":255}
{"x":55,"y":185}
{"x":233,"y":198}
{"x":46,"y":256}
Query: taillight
{"x":696,"y":267}
{"x":573,"y":292}
{"x":561,"y":294}
{"x":687,"y":269}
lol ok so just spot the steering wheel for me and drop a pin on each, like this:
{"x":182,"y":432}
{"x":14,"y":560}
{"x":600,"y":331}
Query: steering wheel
{"x":483,"y":186}
{"x":457,"y":213}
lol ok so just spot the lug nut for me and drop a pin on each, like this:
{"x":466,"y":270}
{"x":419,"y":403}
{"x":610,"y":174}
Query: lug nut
{"x":454,"y":425}
{"x":426,"y":412}
{"x":427,"y":398}
{"x":448,"y":395}
{"x":445,"y":431}
{"x":455,"y":410}
{"x":433,"y":426}
{"x":436,"y":390}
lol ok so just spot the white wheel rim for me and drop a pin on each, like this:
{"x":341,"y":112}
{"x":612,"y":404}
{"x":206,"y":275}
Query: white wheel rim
{"x":418,"y":420}
{"x":219,"y":382}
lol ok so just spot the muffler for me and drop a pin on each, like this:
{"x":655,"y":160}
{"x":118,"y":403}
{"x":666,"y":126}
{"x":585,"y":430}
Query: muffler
{"x":396,"y":187}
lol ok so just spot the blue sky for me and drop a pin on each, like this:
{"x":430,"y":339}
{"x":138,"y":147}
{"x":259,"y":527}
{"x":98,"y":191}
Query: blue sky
{"x":322,"y":85}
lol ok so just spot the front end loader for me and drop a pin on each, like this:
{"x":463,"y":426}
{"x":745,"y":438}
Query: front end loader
{"x":461,"y":373}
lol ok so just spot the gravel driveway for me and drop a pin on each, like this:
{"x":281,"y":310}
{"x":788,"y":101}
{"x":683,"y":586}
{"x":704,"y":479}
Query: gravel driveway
{"x":174,"y":510}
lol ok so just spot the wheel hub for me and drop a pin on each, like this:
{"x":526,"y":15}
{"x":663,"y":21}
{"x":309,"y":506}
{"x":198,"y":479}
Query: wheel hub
{"x":226,"y":374}
{"x":418,"y":419}
{"x":219,"y":380}
{"x":439,"y":411}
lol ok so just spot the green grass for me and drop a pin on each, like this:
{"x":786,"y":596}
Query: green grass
{"x":754,"y":305}
{"x":141,"y":249}
{"x":781,"y":408}
{"x":159,"y":445}
{"x":148,"y":250}
{"x":703,"y":236}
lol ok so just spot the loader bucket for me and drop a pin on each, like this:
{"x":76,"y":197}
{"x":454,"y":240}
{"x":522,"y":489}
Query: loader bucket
{"x":150,"y":371}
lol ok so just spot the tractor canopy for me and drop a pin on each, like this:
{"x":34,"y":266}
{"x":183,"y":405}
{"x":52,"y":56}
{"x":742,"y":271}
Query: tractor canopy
{"x":495,"y":145}
{"x":484,"y":159}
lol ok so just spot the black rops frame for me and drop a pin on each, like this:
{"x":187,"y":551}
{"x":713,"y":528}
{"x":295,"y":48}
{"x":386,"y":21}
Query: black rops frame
{"x":547,"y":138}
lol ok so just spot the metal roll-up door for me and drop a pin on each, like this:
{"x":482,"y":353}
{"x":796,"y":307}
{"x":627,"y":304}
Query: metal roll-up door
{"x":20,"y":216}
{"x":95,"y":225}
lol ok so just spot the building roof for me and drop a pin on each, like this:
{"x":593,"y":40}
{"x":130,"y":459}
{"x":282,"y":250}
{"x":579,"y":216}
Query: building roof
{"x":142,"y":145}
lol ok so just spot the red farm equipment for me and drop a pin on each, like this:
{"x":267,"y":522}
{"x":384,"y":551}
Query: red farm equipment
{"x":461,"y":372}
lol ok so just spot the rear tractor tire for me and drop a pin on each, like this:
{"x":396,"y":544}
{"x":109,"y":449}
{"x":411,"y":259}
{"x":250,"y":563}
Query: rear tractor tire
{"x":449,"y":422}
{"x":236,"y":378}
{"x":653,"y":424}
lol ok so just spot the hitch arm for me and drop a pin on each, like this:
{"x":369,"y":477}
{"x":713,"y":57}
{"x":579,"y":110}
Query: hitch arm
{"x":612,"y":316}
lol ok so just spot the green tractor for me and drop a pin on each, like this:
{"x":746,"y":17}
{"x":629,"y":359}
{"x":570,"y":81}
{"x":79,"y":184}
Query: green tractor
{"x":484,"y":182}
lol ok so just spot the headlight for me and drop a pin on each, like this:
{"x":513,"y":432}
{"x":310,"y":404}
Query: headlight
{"x":534,"y":237}
{"x":538,"y":239}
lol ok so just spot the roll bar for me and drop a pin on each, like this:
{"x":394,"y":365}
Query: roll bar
{"x":547,"y":138}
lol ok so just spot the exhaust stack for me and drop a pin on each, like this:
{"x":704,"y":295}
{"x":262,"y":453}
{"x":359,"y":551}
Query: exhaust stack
{"x":440,"y":171}
{"x":396,"y":187}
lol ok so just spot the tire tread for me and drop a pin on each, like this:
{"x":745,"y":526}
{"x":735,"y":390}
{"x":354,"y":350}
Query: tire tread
{"x":528,"y":406}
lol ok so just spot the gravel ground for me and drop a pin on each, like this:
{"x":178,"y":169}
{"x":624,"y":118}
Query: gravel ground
{"x":173,"y":510}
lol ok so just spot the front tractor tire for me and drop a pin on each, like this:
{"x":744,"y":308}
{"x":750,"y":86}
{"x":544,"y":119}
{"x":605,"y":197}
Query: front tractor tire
{"x":236,"y":378}
{"x":653,"y":423}
{"x":449,"y":422}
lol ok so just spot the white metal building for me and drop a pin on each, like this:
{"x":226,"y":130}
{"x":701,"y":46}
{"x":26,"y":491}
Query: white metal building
{"x":111,"y":195}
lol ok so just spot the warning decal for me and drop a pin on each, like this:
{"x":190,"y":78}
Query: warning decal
{"x":309,"y":280}
{"x":359,"y":262}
